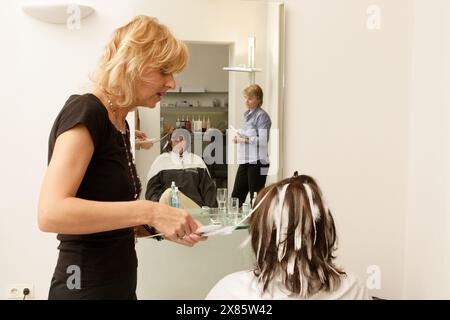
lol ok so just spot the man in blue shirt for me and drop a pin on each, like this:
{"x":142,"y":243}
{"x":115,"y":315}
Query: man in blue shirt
{"x":253,"y":138}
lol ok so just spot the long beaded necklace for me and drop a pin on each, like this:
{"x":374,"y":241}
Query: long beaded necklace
{"x":134,"y":176}
{"x":130,"y":160}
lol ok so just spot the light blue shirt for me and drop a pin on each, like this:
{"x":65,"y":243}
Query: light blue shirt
{"x":256,"y":127}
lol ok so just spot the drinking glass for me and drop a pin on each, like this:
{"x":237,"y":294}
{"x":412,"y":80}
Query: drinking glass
{"x":233,"y":211}
{"x":222,"y":194}
{"x":214,"y":216}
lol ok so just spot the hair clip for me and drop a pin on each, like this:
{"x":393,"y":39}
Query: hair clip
{"x":295,"y":176}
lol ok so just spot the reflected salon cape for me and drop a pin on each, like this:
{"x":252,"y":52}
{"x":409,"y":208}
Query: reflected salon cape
{"x":243,"y":285}
{"x":189,"y":173}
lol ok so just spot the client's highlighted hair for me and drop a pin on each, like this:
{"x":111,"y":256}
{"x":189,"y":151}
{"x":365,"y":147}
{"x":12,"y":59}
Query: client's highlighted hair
{"x":293,"y":236}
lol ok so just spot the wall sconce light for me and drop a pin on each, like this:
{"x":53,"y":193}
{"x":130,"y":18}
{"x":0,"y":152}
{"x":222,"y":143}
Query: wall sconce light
{"x":57,"y":13}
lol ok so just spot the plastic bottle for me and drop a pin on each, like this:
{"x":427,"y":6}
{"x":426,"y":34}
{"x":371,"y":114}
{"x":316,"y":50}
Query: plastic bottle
{"x":208,"y":124}
{"x":172,"y":191}
{"x":178,"y":123}
{"x":188,"y":124}
{"x":174,"y":200}
{"x":198,"y":125}
{"x":203,"y":124}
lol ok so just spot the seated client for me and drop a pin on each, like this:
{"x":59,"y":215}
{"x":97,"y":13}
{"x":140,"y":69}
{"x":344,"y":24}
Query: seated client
{"x":186,"y":169}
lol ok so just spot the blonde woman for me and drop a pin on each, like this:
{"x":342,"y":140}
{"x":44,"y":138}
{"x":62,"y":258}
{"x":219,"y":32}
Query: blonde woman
{"x":293,"y":237}
{"x":90,"y":192}
{"x":253,"y":138}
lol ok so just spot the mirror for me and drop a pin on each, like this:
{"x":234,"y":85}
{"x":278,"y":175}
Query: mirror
{"x":223,"y":33}
{"x":207,"y":92}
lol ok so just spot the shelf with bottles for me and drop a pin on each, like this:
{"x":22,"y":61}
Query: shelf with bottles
{"x":195,"y":92}
{"x":194,"y":122}
{"x":195,"y":101}
{"x":193,"y":125}
{"x":194,"y":109}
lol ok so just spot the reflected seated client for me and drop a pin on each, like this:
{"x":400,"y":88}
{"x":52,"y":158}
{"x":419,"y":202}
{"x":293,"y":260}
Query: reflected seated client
{"x":187,"y":170}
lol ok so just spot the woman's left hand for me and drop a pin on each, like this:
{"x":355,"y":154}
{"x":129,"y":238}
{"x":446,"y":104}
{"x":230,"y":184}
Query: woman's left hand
{"x":190,"y":240}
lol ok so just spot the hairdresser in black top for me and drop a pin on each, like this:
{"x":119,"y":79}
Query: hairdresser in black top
{"x":90,"y":192}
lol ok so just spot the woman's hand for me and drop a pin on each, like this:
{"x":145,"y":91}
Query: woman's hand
{"x":142,"y":141}
{"x":177,"y":225}
{"x":144,"y":144}
{"x":140,"y":135}
{"x":237,"y":140}
{"x":190,"y":240}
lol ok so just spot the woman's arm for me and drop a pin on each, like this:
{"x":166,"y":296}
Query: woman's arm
{"x":61,"y":212}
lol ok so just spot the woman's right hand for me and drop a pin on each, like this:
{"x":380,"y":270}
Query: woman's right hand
{"x":177,"y":225}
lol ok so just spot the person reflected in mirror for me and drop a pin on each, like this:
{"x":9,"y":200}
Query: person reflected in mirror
{"x":90,"y":193}
{"x":293,"y":237}
{"x":187,"y":170}
{"x":253,"y":157}
{"x":142,"y":141}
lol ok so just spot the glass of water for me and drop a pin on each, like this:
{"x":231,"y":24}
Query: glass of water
{"x":222,"y":194}
{"x":214,"y":216}
{"x":233,"y":211}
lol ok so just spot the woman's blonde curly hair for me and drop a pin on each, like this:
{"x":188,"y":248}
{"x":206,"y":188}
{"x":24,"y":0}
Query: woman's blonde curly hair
{"x":141,"y":43}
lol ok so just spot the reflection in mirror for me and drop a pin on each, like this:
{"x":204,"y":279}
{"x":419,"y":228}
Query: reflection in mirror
{"x":208,"y":101}
{"x":199,"y":104}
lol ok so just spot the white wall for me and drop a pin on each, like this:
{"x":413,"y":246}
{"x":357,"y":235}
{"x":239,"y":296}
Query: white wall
{"x":427,"y":254}
{"x":44,"y":64}
{"x":347,"y":121}
{"x":203,"y":59}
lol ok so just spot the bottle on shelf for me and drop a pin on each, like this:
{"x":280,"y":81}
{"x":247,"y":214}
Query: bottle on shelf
{"x":183,"y":123}
{"x":203,"y":124}
{"x":198,"y":125}
{"x":193,"y":123}
{"x":208,"y":124}
{"x":188,"y":124}
{"x":178,"y":123}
